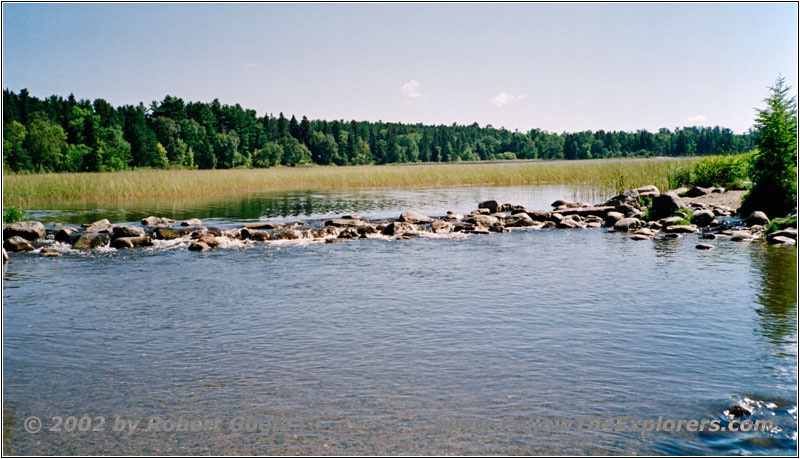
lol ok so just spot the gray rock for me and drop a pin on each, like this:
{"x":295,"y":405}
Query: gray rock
{"x":265,"y":225}
{"x":130,"y":242}
{"x":718,"y":190}
{"x":568,"y":223}
{"x":288,"y":235}
{"x":788,"y":232}
{"x":440,"y":227}
{"x":30,"y":230}
{"x":163,"y":232}
{"x":664,"y":205}
{"x":66,"y":234}
{"x":782,"y":240}
{"x":493,"y":206}
{"x":710,"y":236}
{"x":48,"y":252}
{"x":697,"y":191}
{"x":399,"y":228}
{"x":756,"y":218}
{"x":702,"y":218}
{"x":648,"y":190}
{"x":344,"y":222}
{"x":100,"y":226}
{"x":681,"y":229}
{"x":703,"y":246}
{"x":198,"y":246}
{"x":127,"y":231}
{"x":539,"y":215}
{"x":192,"y":222}
{"x":367,"y":230}
{"x":413,"y":217}
{"x":157,"y":221}
{"x":17,"y":244}
{"x":519,"y":220}
{"x":612,"y":218}
{"x":627,"y":224}
{"x":628,"y":199}
{"x":482,"y":220}
{"x":91,"y":241}
{"x":741,"y":236}
{"x":641,"y":237}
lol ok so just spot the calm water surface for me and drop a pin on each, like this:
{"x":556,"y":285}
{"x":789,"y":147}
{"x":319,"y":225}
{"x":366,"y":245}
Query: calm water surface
{"x":380,"y":347}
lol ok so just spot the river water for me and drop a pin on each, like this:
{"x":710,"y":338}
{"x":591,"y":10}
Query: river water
{"x":468,"y":345}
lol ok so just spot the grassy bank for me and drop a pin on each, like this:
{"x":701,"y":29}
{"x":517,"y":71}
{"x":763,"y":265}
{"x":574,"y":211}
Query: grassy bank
{"x":39,"y":189}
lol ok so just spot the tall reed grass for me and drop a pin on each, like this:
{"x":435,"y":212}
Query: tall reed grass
{"x":36,"y":190}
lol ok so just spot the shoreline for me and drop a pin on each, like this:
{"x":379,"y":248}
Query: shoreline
{"x":37,"y":190}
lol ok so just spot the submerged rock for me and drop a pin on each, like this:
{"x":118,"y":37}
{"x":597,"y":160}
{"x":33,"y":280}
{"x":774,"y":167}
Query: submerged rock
{"x":681,"y":229}
{"x":48,"y":252}
{"x":782,"y":240}
{"x":17,"y":244}
{"x":131,"y":242}
{"x":741,"y":236}
{"x":30,"y":230}
{"x":703,"y":246}
{"x":197,"y":246}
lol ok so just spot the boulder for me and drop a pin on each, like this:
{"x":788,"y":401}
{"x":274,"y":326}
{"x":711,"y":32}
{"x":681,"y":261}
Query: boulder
{"x":664,"y":205}
{"x":756,"y":218}
{"x":157,"y":221}
{"x":703,"y":246}
{"x":718,"y":189}
{"x":586,"y":211}
{"x":192,"y":222}
{"x":613,"y":217}
{"x":209,"y":240}
{"x":627,"y":224}
{"x":644,"y":231}
{"x":66,"y":234}
{"x":30,"y":230}
{"x":367,"y":229}
{"x":440,"y":227}
{"x":344,"y":222}
{"x":49,"y":252}
{"x":568,"y":223}
{"x":348,"y":233}
{"x":539,"y":215}
{"x":741,"y":236}
{"x":782,"y":240}
{"x":399,"y":228}
{"x":788,"y":232}
{"x":519,"y":220}
{"x":641,"y":237}
{"x":681,"y":229}
{"x":130,"y":242}
{"x":697,"y":191}
{"x":703,"y":218}
{"x":493,"y":206}
{"x":710,"y":236}
{"x":648,"y":190}
{"x":550,"y":224}
{"x":91,"y":241}
{"x":5,"y":256}
{"x":482,"y":220}
{"x":100,"y":226}
{"x":265,"y":225}
{"x":628,"y":198}
{"x":288,"y":235}
{"x":127,"y":231}
{"x":17,"y":244}
{"x":555,"y":217}
{"x":163,"y":232}
{"x":197,"y":246}
{"x":413,"y":217}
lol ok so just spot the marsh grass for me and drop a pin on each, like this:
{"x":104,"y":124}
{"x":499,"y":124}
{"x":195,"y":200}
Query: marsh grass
{"x":35,"y":190}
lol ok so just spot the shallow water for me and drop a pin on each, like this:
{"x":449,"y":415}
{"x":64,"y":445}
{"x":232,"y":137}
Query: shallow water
{"x":389,"y":347}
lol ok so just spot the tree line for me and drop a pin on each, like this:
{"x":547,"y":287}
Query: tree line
{"x":57,"y":134}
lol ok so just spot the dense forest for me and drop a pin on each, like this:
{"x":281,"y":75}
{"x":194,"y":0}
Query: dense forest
{"x":57,"y":134}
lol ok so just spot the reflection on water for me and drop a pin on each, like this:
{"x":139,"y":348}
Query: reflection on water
{"x":365,"y":347}
{"x":777,"y":293}
{"x":369,"y":203}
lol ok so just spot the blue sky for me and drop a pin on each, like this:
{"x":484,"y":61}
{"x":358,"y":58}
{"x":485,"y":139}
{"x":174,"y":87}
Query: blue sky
{"x":558,"y":67}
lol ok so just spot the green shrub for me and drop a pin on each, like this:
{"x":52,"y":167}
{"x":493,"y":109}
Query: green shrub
{"x":724,"y":171}
{"x":777,"y":224}
{"x":13,"y":214}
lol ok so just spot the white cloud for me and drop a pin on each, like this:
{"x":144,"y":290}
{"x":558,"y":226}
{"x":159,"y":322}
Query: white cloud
{"x":410,"y":90}
{"x":503,"y":98}
{"x":696,"y":119}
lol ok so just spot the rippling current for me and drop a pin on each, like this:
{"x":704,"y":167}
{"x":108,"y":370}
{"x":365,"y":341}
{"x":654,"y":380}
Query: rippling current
{"x":424,"y":346}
